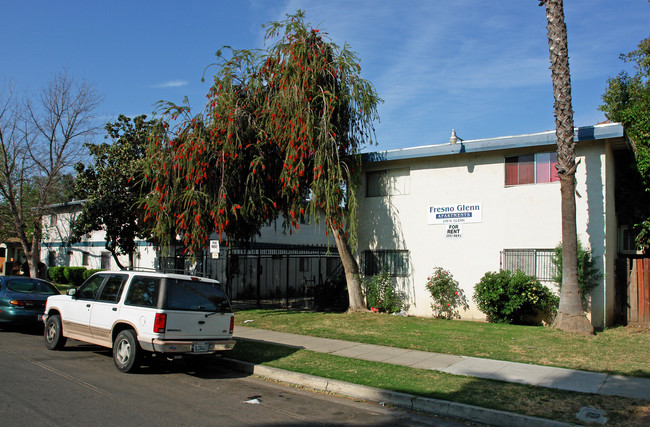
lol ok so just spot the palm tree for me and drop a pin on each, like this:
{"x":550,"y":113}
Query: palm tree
{"x":570,"y":317}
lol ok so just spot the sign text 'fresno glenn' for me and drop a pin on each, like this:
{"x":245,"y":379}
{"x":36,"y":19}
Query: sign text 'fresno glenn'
{"x":454,"y":213}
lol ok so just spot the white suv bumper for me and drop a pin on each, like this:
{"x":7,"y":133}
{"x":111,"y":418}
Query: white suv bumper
{"x":195,"y":347}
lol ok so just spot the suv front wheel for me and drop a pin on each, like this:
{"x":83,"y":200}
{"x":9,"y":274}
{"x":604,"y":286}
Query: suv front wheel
{"x":54,"y":339}
{"x":127,"y":354}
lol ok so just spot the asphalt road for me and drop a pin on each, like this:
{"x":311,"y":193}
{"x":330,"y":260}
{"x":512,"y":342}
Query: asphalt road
{"x":81,"y":386}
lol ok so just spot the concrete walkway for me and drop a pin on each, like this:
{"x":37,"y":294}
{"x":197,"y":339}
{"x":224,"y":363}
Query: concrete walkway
{"x":543,"y":376}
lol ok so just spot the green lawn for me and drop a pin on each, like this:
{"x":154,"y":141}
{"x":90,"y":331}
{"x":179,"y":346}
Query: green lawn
{"x":624,"y":350}
{"x":529,"y":400}
{"x":620,"y":350}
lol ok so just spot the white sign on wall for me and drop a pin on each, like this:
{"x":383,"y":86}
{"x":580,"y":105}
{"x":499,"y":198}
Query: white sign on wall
{"x":454,"y":231}
{"x":454,"y":214}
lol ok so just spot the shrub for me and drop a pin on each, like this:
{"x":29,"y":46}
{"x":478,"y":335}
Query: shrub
{"x":74,"y":275}
{"x":507,"y":297}
{"x":588,"y":274}
{"x":56,"y":275}
{"x":381,"y":293}
{"x":448,"y":297}
{"x":86,"y":274}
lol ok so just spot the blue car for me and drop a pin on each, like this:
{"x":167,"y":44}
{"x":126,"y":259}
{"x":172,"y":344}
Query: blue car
{"x":22,"y":299}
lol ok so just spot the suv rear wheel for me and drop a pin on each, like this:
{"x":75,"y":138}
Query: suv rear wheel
{"x":127,"y":354}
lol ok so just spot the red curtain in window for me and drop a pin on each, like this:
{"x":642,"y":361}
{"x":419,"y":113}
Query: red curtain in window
{"x":527,"y":169}
{"x":531,"y":169}
{"x":553,"y":164}
{"x":542,"y":167}
{"x":512,"y":170}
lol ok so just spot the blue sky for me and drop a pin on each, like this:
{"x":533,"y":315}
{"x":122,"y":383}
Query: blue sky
{"x":477,"y":66}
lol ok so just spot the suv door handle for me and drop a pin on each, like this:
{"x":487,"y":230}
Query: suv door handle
{"x":114,"y":309}
{"x":87,"y":305}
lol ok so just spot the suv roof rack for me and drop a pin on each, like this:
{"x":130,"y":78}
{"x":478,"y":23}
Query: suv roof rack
{"x":179,"y":271}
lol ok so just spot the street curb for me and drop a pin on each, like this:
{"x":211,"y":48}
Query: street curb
{"x":438,"y":407}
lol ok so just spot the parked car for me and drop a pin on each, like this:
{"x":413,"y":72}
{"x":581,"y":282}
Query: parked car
{"x":138,"y":314}
{"x":22,"y":299}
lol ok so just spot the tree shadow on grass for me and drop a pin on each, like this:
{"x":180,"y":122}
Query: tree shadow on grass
{"x":258,"y":352}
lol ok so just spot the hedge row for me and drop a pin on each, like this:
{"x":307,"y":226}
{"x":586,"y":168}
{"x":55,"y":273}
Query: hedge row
{"x":73,"y":276}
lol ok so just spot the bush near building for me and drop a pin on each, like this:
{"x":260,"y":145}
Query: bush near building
{"x":507,"y":297}
{"x":73,"y":276}
{"x":448,"y":297}
{"x":381,"y":294}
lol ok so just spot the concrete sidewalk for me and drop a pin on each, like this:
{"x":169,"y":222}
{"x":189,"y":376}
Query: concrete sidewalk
{"x":543,"y":376}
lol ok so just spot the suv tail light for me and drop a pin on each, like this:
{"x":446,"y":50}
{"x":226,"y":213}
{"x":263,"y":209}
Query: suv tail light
{"x":232,"y":324}
{"x":160,"y":322}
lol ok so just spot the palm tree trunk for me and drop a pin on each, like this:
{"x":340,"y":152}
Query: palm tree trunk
{"x":570,"y":316}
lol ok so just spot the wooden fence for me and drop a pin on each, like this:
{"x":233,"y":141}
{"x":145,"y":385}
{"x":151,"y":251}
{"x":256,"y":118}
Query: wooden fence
{"x":638,"y":310}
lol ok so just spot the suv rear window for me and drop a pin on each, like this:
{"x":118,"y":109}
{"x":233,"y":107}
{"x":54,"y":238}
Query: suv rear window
{"x":143,"y":291}
{"x":196,"y":295}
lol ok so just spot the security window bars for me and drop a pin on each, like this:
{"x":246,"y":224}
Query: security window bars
{"x":395,"y":261}
{"x":533,"y":262}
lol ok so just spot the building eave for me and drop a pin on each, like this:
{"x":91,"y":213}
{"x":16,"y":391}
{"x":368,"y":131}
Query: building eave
{"x":585,"y":133}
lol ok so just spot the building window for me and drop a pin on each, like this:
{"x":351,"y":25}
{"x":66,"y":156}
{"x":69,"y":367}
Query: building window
{"x":85,"y":256}
{"x":52,"y":220}
{"x":51,"y":259}
{"x":106,"y":261}
{"x":533,"y":262}
{"x":389,"y":182}
{"x":396,"y":262}
{"x":531,"y":169}
{"x":627,"y":241}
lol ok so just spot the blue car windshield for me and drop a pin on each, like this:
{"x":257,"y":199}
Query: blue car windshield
{"x":30,"y":286}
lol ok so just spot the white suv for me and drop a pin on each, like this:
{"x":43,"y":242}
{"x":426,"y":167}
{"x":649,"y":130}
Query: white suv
{"x":141,"y":313}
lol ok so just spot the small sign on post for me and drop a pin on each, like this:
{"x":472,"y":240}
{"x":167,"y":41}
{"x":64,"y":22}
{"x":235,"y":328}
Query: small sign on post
{"x":214,"y":248}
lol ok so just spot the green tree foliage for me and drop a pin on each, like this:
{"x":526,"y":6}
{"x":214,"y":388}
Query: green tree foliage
{"x":588,"y":274}
{"x":61,"y":191}
{"x":111,"y":186}
{"x":279,"y":138}
{"x":627,"y":100}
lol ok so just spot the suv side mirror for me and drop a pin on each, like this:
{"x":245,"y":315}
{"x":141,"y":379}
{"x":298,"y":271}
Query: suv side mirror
{"x":71,"y":292}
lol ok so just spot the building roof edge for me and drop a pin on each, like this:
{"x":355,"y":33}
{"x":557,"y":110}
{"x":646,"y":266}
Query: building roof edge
{"x":583,"y":133}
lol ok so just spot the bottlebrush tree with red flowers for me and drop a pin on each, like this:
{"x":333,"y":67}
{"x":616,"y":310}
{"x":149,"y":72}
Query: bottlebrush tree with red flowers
{"x":279,"y":137}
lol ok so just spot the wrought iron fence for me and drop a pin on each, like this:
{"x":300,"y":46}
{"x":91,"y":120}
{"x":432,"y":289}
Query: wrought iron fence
{"x":304,"y":277}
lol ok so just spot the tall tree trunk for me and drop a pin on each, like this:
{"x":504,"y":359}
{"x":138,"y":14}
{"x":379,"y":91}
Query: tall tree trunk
{"x":34,"y":258}
{"x":351,"y":269}
{"x":115,"y":257}
{"x":570,"y":317}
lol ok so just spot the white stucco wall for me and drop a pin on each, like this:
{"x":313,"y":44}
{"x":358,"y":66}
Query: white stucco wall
{"x":522,"y":216}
